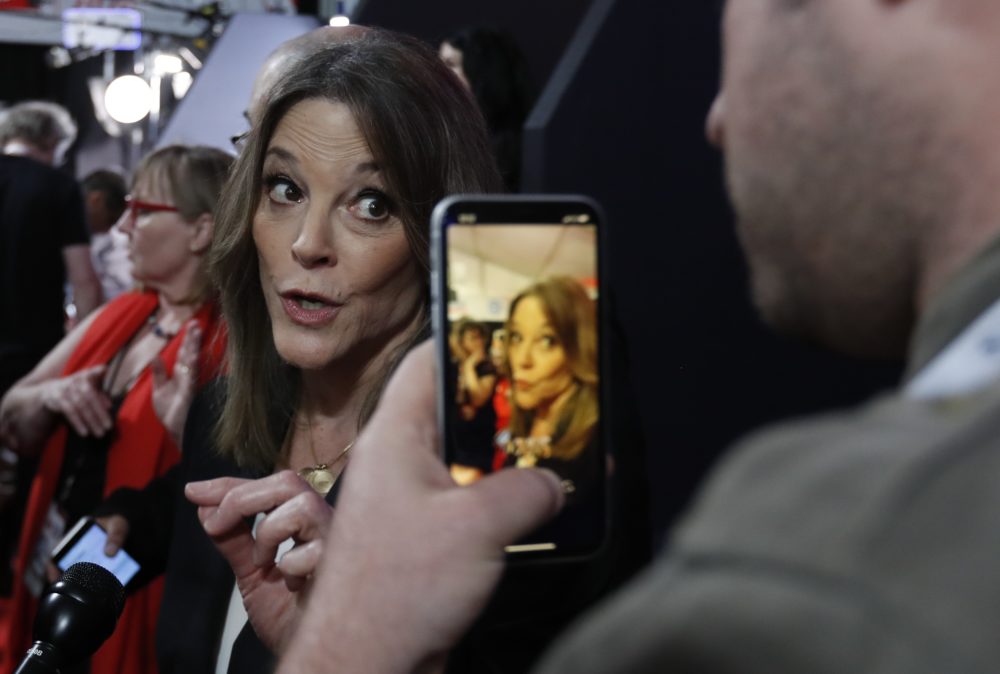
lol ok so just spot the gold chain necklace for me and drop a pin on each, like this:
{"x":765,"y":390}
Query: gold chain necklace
{"x":319,"y":476}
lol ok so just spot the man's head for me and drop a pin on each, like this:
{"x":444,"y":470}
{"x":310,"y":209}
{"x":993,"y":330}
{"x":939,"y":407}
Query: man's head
{"x":287,"y":55}
{"x":37,"y":129}
{"x":104,"y":199}
{"x":852,"y":132}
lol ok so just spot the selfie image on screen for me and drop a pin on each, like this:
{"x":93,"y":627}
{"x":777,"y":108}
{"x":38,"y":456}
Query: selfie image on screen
{"x":523,"y":342}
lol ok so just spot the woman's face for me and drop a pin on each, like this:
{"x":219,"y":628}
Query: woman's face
{"x":539,"y":368}
{"x":473,"y":343}
{"x":335,"y":267}
{"x":162,"y":245}
{"x":454,"y":60}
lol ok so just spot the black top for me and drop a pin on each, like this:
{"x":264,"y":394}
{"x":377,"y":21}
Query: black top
{"x":41,"y":212}
{"x":580,"y":524}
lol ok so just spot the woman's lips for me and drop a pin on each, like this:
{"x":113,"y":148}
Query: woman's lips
{"x":522,"y":385}
{"x":307,"y":310}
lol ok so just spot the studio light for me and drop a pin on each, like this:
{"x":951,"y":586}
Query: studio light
{"x":128,"y":99}
{"x":167,"y":64}
{"x":340,"y":17}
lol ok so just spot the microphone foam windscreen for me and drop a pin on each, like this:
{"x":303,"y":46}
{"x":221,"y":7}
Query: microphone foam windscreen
{"x":99,"y":581}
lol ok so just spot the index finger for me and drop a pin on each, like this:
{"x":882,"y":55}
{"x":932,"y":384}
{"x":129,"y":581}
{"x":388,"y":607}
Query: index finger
{"x":252,"y":497}
{"x":211,"y":492}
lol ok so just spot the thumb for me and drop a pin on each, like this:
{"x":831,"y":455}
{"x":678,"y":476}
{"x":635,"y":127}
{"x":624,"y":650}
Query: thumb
{"x":536,"y":491}
{"x":94,"y":373}
{"x":117,"y":528}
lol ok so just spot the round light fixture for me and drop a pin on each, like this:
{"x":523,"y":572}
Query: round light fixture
{"x":128,"y":99}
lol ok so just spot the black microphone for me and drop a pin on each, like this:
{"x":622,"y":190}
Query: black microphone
{"x":74,"y":618}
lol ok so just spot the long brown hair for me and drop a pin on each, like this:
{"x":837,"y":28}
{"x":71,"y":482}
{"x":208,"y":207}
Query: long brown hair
{"x":573,"y":317}
{"x":426,"y":134}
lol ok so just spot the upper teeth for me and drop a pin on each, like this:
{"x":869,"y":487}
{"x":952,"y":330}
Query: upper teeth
{"x":311,"y":304}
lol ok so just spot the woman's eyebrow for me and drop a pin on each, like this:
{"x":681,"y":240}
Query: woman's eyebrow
{"x":280,"y":153}
{"x":367,"y":167}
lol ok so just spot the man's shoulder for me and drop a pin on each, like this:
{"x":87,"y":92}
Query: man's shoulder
{"x":840,"y":476}
{"x":891,"y":509}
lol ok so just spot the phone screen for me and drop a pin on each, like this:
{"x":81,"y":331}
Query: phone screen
{"x":517,"y":313}
{"x":85,"y":543}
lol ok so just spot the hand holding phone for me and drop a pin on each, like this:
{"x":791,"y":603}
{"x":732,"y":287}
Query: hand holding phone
{"x":85,"y":542}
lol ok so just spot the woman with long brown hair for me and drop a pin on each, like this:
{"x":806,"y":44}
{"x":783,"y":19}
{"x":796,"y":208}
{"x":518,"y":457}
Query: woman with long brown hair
{"x":552,"y":352}
{"x":322,"y":262}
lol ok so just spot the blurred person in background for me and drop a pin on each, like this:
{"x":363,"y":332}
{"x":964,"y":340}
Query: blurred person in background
{"x":106,"y":407}
{"x":44,"y":240}
{"x":491,"y":65}
{"x":44,"y":244}
{"x":475,"y":419}
{"x":104,"y":195}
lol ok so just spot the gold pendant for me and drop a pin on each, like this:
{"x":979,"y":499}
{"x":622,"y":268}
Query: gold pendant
{"x":319,"y":478}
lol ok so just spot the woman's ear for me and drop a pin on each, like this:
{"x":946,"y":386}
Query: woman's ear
{"x":204,"y":227}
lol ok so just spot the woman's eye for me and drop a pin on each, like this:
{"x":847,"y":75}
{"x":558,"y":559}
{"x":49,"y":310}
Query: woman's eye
{"x":371,"y":207}
{"x":283,"y":191}
{"x":513,"y":338}
{"x":549,"y":341}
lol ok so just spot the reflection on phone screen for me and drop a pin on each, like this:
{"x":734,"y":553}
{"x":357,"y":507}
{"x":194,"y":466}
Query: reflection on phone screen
{"x":524,"y":365}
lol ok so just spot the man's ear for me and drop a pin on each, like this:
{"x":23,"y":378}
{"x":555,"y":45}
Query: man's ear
{"x":204,"y":227}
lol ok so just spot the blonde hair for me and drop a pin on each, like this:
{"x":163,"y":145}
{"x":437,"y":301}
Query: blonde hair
{"x":193,"y":176}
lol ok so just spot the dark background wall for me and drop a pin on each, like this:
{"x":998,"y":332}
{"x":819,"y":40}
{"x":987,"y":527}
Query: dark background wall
{"x":542,"y":28}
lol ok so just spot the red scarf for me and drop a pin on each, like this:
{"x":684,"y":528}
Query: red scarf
{"x":141,"y":451}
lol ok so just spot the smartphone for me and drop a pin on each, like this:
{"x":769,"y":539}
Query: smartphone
{"x":519,"y":306}
{"x":85,"y":543}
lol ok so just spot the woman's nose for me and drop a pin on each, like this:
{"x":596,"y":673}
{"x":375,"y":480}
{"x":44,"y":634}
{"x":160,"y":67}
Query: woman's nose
{"x":313,"y":247}
{"x":522,"y":359}
{"x":125,"y":223}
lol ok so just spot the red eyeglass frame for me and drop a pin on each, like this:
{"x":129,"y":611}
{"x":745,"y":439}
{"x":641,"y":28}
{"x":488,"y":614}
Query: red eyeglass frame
{"x":135,"y":205}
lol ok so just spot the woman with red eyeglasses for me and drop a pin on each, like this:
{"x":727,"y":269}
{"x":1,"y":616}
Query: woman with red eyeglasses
{"x":105,"y":409}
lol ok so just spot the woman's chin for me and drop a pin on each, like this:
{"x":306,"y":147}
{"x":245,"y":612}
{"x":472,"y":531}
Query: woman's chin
{"x":526,"y":403}
{"x":304,"y":354}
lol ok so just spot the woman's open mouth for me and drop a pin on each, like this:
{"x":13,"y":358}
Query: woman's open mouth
{"x":308,"y":309}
